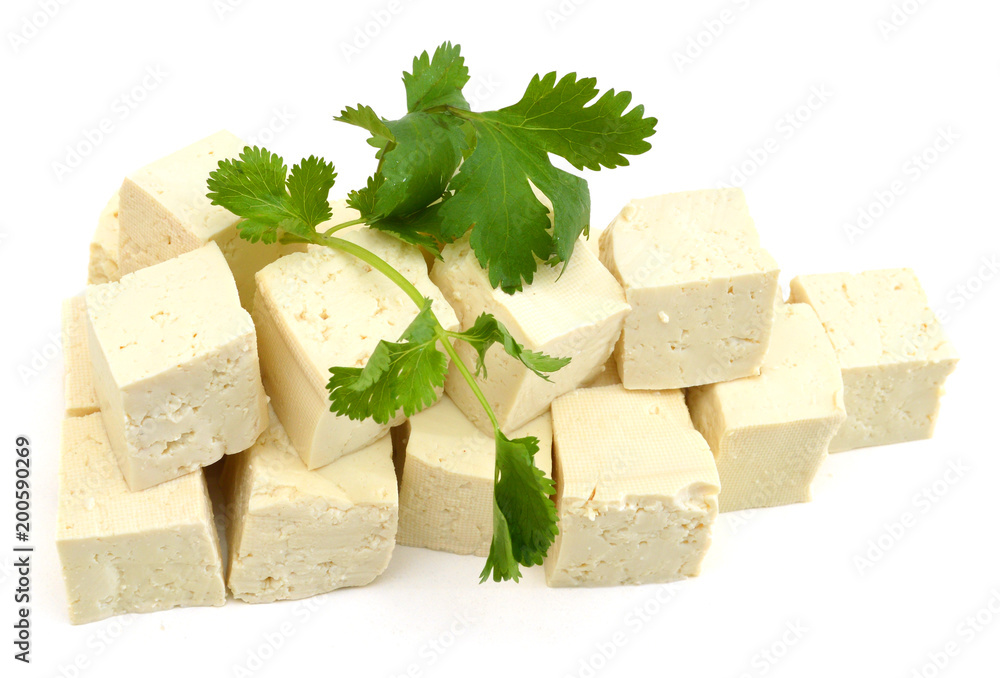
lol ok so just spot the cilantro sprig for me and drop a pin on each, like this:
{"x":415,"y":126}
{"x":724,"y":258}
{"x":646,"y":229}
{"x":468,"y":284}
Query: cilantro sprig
{"x":446,"y":172}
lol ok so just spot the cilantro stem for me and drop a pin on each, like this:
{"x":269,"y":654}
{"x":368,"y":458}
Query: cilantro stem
{"x":411,"y":291}
{"x":464,"y":371}
{"x":346,"y":224}
{"x":375,"y":262}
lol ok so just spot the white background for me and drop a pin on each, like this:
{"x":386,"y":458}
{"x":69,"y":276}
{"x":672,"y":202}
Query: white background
{"x":890,"y":92}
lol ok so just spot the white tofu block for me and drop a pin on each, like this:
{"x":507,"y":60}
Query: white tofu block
{"x":175,"y":367}
{"x":325,"y":308}
{"x":123,"y":551}
{"x":702,"y":289}
{"x":636,"y":489}
{"x":770,"y":433}
{"x":573,"y":312}
{"x":78,"y":372}
{"x":164,"y":212}
{"x":893,"y":353}
{"x":295,"y":533}
{"x":446,"y":490}
{"x":104,"y":247}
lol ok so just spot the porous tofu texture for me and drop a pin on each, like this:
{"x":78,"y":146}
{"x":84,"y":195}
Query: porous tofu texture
{"x":78,"y":372}
{"x":446,"y":490}
{"x":165,"y":212}
{"x":295,"y":533}
{"x":770,"y":432}
{"x":636,"y":489}
{"x":103,"y":266}
{"x":701,"y":288}
{"x":326,"y":308}
{"x":893,"y":353}
{"x":123,"y":551}
{"x":175,"y":367}
{"x":573,"y":311}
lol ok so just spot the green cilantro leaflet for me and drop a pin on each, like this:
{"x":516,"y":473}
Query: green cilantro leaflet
{"x":487,"y":331}
{"x":402,"y":375}
{"x":438,"y":80}
{"x":255,"y":188}
{"x":522,"y":501}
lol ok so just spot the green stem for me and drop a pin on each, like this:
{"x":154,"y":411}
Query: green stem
{"x":464,"y":370}
{"x":375,"y":262}
{"x":346,"y":224}
{"x":411,"y":291}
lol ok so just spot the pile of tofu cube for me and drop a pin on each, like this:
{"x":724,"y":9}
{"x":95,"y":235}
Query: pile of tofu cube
{"x":694,"y":388}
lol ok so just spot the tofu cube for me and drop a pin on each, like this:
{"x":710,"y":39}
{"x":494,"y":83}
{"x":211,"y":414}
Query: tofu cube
{"x":104,"y":258}
{"x":165,"y":212}
{"x":295,"y":533}
{"x":574,"y":311}
{"x":78,"y":372}
{"x":636,"y":489}
{"x":123,"y":551}
{"x":175,"y":367}
{"x":702,"y":289}
{"x":893,"y":353}
{"x":446,"y":490}
{"x":770,"y":433}
{"x":326,"y":308}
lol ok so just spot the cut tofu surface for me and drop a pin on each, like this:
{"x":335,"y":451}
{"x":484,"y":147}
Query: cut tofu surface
{"x":701,"y":289}
{"x":295,"y":533}
{"x":636,"y":490}
{"x":123,"y":551}
{"x":175,"y":366}
{"x":78,"y":372}
{"x":893,"y":353}
{"x":104,"y":257}
{"x":446,"y":489}
{"x":770,"y":433}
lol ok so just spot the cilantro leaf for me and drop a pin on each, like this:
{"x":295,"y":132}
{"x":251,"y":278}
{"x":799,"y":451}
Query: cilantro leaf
{"x":521,"y":500}
{"x":257,"y":187}
{"x":555,"y":116}
{"x":492,"y":193}
{"x":487,"y":331}
{"x":366,"y":118}
{"x":418,"y":165}
{"x":363,"y":199}
{"x":398,"y":375}
{"x":437,"y":81}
